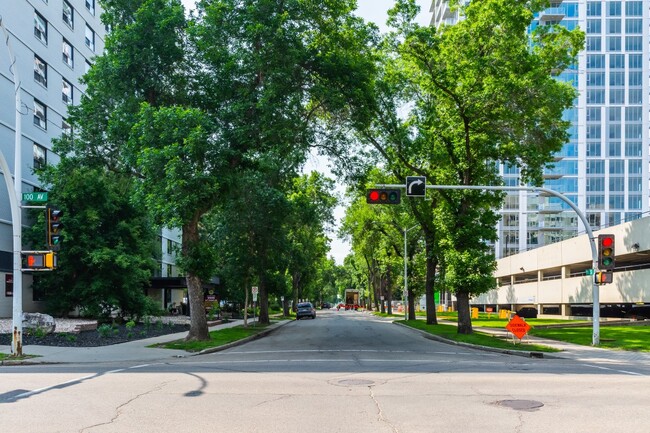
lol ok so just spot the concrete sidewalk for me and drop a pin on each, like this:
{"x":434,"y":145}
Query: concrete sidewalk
{"x":132,"y":351}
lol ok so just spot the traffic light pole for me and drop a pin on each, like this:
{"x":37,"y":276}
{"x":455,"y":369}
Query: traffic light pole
{"x":16,"y":218}
{"x":592,"y":243}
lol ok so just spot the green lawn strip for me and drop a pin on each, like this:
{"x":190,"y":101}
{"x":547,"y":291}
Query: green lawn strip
{"x":217,"y":338}
{"x":380,"y":314}
{"x":9,"y":357}
{"x":634,"y":338}
{"x":450,"y":332}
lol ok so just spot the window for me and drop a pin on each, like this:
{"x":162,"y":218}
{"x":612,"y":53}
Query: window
{"x":635,"y":61}
{"x":593,"y":114}
{"x":87,"y":67}
{"x":593,"y":131}
{"x":634,"y":26}
{"x":596,"y":184}
{"x":616,"y":184}
{"x":40,"y":114}
{"x":633,"y":148}
{"x":634,"y":8}
{"x":595,"y":166}
{"x":595,"y":97}
{"x":169,"y":270}
{"x":40,"y":27}
{"x":616,"y":201}
{"x":593,"y":149}
{"x":595,"y":61}
{"x":634,"y":43}
{"x":614,"y":148}
{"x":635,"y":97}
{"x":614,"y":9}
{"x":594,"y":26}
{"x":614,"y":43}
{"x":634,"y":184}
{"x":40,"y":156}
{"x":90,"y":38}
{"x":635,"y":78}
{"x":68,"y":14}
{"x":66,"y":92}
{"x":617,"y":166}
{"x":635,"y":166}
{"x":596,"y":202}
{"x":634,"y":131}
{"x":613,"y":218}
{"x":66,"y":128}
{"x":614,"y":26}
{"x":594,"y":9}
{"x":617,"y":96}
{"x":40,"y":70}
{"x":90,"y":5}
{"x":617,"y":78}
{"x":635,"y":201}
{"x":617,"y":61}
{"x":614,"y":114}
{"x":68,"y":54}
{"x":594,"y":43}
{"x":595,"y":79}
{"x":170,"y":246}
{"x":614,"y":130}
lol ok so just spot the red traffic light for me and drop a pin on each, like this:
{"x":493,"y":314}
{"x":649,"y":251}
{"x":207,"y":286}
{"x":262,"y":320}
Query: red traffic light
{"x":606,"y":260}
{"x":383,"y":196}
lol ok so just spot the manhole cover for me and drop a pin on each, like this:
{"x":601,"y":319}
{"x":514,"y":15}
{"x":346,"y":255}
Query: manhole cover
{"x":526,"y":405}
{"x":356,"y":382}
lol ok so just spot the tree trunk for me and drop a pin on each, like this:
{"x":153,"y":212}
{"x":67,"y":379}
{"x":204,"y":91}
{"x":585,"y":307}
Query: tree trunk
{"x":389,"y":293}
{"x":431,"y":264}
{"x":198,"y":321}
{"x":464,"y":316}
{"x":285,"y":307}
{"x":245,"y":302}
{"x":263,"y":301}
{"x":411,"y":304}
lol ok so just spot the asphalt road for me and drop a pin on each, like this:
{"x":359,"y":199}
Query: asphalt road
{"x":343,"y":372}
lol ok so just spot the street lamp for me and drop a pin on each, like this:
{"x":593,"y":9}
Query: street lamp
{"x":405,"y":294}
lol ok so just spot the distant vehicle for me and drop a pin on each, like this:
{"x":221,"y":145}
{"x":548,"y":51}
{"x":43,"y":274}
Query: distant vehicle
{"x":305,"y":309}
{"x":639,"y":312}
{"x":326,"y":306}
{"x":351,"y":299}
{"x":527,"y":313}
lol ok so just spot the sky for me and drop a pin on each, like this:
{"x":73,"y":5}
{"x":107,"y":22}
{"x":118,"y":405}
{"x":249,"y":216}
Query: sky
{"x":373,"y":11}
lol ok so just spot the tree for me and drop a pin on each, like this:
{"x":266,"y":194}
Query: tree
{"x":107,"y":257}
{"x":478,"y":93}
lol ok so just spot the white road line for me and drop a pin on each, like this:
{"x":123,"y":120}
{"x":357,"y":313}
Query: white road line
{"x":599,"y":367}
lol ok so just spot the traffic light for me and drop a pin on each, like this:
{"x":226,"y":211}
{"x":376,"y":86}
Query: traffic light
{"x":604,"y":277}
{"x":606,"y":261}
{"x":383,"y":196}
{"x":39,"y":261}
{"x":53,"y":230}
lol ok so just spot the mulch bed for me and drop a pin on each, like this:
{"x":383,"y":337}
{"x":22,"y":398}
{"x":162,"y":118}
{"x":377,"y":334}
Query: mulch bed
{"x":95,"y":338}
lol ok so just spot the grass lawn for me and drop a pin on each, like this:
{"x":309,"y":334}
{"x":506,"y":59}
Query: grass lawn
{"x":478,"y":338}
{"x":636,"y":338}
{"x":217,"y":338}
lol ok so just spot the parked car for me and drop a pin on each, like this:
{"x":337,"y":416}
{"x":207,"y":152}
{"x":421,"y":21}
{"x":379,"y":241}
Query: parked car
{"x":527,"y":313}
{"x":639,"y":312}
{"x":305,"y":309}
{"x":326,"y":306}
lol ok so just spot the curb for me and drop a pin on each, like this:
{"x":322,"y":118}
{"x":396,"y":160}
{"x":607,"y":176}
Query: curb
{"x":261,"y":334}
{"x":522,"y":353}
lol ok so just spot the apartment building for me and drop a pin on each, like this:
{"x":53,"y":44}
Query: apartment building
{"x":54,"y":43}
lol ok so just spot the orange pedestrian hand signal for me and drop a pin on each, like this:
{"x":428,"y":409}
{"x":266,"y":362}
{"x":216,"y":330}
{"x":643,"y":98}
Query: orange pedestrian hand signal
{"x":518,"y":327}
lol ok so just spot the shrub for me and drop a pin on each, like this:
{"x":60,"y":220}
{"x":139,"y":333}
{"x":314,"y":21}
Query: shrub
{"x":105,"y":330}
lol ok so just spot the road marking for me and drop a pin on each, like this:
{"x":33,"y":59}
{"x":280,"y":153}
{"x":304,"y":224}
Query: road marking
{"x":266,"y":352}
{"x":600,"y":367}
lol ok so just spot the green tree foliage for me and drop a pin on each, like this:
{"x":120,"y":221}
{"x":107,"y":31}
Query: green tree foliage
{"x":478,"y":93}
{"x":108,"y":253}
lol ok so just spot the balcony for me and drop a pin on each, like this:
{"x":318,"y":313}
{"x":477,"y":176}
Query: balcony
{"x":552,"y":15}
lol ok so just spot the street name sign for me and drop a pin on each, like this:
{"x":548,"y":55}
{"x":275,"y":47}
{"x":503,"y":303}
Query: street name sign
{"x":40,"y":197}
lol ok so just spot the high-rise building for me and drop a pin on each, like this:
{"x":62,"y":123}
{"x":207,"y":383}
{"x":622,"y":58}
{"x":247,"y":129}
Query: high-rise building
{"x":54,"y":43}
{"x":603,"y":168}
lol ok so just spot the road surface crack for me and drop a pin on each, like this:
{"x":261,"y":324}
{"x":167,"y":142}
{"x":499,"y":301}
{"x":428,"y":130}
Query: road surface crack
{"x":380,"y":413}
{"x":118,"y":410}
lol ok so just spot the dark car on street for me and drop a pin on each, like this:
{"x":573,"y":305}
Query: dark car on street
{"x":305,"y":309}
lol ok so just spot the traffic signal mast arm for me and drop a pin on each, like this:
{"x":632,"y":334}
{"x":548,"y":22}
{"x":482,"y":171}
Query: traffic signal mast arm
{"x":590,"y":233}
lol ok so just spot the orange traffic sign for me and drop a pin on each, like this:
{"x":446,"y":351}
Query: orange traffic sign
{"x":518,"y":327}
